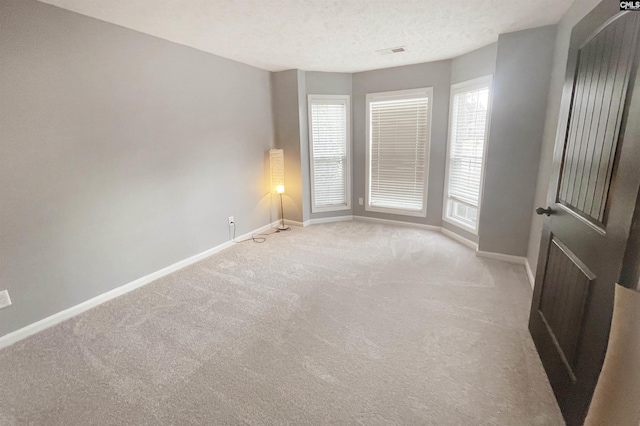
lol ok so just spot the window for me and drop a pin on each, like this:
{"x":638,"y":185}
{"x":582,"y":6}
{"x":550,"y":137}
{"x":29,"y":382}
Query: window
{"x":468,"y":129}
{"x":398,"y":135}
{"x":329,"y":140}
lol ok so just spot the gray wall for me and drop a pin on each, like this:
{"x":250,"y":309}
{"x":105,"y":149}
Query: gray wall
{"x":327,"y":83}
{"x":286,"y":112}
{"x":575,"y":13}
{"x":121,"y":154}
{"x":477,"y":63}
{"x":521,"y":85}
{"x":460,"y":231}
{"x":304,"y":145}
{"x":432,"y":74}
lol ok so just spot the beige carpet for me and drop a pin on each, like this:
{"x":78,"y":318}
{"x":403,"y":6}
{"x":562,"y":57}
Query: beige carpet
{"x":343,"y":323}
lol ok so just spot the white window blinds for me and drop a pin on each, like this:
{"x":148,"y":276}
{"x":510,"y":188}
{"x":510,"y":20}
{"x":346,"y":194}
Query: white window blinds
{"x":329,"y":150}
{"x":467,"y":138}
{"x":399,"y":133}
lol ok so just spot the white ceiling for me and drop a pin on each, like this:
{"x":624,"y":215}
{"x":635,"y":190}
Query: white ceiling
{"x":325,"y":35}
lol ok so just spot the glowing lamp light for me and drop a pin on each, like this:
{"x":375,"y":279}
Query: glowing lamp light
{"x":276,"y":157}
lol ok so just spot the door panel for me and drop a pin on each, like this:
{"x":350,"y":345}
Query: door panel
{"x":592,"y":197}
{"x":601,"y":84}
{"x":563,"y":301}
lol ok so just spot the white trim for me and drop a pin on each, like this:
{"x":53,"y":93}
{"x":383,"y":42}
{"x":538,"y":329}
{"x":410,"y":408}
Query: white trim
{"x":485,"y":81}
{"x":455,"y":222}
{"x":530,"y":274}
{"x":296,"y":223}
{"x":335,"y":99}
{"x":396,"y":222}
{"x":459,"y":238}
{"x":389,"y":96}
{"x":444,"y":231}
{"x":504,"y":257}
{"x":401,"y":212}
{"x":332,"y":208}
{"x":43,"y":324}
{"x":36,"y":327}
{"x":318,"y":221}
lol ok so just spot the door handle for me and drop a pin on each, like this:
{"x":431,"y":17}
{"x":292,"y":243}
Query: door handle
{"x":542,"y":211}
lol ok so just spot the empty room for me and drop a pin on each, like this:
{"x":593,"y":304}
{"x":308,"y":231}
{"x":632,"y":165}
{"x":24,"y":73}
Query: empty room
{"x":310,"y":212}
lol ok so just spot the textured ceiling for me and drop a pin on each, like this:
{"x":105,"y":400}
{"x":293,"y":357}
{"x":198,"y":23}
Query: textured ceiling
{"x":325,"y":35}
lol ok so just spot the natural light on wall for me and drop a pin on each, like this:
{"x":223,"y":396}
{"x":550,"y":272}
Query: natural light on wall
{"x":468,"y":121}
{"x":276,"y":161}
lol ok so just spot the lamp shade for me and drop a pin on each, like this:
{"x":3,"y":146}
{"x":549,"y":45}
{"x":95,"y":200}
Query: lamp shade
{"x":276,"y":160}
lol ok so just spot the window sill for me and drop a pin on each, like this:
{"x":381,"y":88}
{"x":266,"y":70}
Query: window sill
{"x":330,"y":208}
{"x":400,"y":212}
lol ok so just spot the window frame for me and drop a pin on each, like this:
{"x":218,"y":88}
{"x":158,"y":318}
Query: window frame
{"x":390,"y":96}
{"x":461,"y":87}
{"x":339,"y":99}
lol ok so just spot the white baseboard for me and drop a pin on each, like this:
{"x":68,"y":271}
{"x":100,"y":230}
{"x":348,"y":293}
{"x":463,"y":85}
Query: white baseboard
{"x":346,"y":218}
{"x":318,"y":221}
{"x":43,"y":324}
{"x":31,"y":329}
{"x":520,"y":260}
{"x":296,"y":223}
{"x":459,"y":238}
{"x":444,"y":231}
{"x":530,"y":274}
{"x":504,"y":257}
{"x":490,"y":255}
{"x":396,"y":222}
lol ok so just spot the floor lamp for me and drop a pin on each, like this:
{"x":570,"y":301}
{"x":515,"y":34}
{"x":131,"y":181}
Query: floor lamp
{"x":276,"y":160}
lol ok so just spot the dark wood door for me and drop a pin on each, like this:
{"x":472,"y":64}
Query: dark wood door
{"x":592,"y":198}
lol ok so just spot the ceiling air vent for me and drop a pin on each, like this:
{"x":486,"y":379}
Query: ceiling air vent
{"x":391,"y":50}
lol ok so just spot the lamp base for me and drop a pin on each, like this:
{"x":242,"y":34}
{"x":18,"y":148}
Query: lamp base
{"x":283,"y":228}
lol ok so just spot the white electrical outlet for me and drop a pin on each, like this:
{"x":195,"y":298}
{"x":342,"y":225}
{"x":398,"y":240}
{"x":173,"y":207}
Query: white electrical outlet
{"x":5,"y":300}
{"x":361,"y":201}
{"x":231,"y":221}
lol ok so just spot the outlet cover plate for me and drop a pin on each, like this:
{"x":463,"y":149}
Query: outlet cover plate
{"x":5,"y":300}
